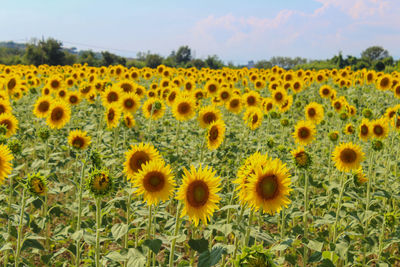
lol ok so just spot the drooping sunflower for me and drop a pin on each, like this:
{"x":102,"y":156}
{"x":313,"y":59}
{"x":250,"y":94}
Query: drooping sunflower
{"x":253,"y":117}
{"x":37,"y":184}
{"x":359,"y":177}
{"x":269,"y":187}
{"x":130,"y":102}
{"x":304,"y":133}
{"x":347,"y":156}
{"x":215,"y":134}
{"x":365,"y":131}
{"x":129,"y":120}
{"x":301,"y":158}
{"x":207,"y":115}
{"x":78,"y":139}
{"x":11,"y":123}
{"x":138,"y":155}
{"x":267,"y":104}
{"x":380,"y":128}
{"x":59,"y":114}
{"x":184,"y":108}
{"x":199,"y":193}
{"x":112,"y":115}
{"x":154,"y":181}
{"x":153,"y":108}
{"x":6,"y":158}
{"x":314,"y":112}
{"x":234,"y":105}
{"x":286,"y":105}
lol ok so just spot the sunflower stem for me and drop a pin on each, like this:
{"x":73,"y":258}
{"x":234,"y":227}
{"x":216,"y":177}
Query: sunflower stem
{"x":367,"y":205}
{"x":20,"y":233}
{"x":177,"y":225}
{"x":178,"y":128}
{"x":78,"y":223}
{"x":98,"y":226}
{"x":128,"y":215}
{"x":9,"y":210}
{"x":339,"y":203}
{"x":238,"y":223}
{"x":305,"y":250}
{"x":247,"y":238}
{"x":149,"y":235}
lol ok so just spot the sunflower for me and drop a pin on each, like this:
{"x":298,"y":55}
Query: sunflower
{"x":6,"y":158}
{"x":245,"y":171}
{"x":10,"y":122}
{"x":269,"y":187}
{"x":59,"y":114}
{"x":79,"y":139}
{"x":138,"y":155}
{"x":42,"y":106}
{"x":207,"y":115}
{"x":172,"y":95}
{"x":129,"y":120}
{"x":314,"y":112}
{"x":184,"y":108}
{"x":73,"y":98}
{"x":212,"y":88}
{"x":130,"y":102}
{"x":37,"y":184}
{"x":365,"y":130}
{"x":359,"y":177}
{"x":5,"y":106}
{"x":251,"y":99}
{"x":199,"y":193}
{"x":99,"y":182}
{"x":225,"y":94}
{"x":338,"y":104}
{"x":253,"y":117}
{"x":304,"y":132}
{"x":55,"y":83}
{"x":215,"y":134}
{"x":384,"y":82}
{"x":286,"y":104}
{"x":112,"y":115}
{"x":234,"y":105}
{"x":297,"y":86}
{"x":111,"y":95}
{"x":347,"y":157}
{"x":153,"y":108}
{"x":301,"y":158}
{"x":154,"y":181}
{"x":349,"y":129}
{"x":380,"y":128}
{"x":279,"y":96}
{"x":267,"y":104}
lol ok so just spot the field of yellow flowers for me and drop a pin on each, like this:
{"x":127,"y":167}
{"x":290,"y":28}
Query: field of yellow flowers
{"x":185,"y":167}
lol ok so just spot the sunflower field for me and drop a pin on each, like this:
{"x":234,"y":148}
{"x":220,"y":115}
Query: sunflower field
{"x":184,"y":167}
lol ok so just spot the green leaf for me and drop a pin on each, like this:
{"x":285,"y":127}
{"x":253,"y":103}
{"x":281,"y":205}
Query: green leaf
{"x":89,"y":238}
{"x":199,"y":245}
{"x":315,"y":245}
{"x":207,"y":259}
{"x":119,"y":230}
{"x":326,"y":263}
{"x":179,"y":238}
{"x":315,"y":257}
{"x":116,"y":256}
{"x":77,"y":235}
{"x":154,"y":245}
{"x":31,"y":243}
{"x":136,"y":258}
{"x":328,"y":255}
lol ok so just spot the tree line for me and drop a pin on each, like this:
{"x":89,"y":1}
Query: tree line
{"x":52,"y":52}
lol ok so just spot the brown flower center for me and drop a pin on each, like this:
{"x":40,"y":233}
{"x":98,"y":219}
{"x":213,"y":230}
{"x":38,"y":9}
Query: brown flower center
{"x":183,"y":108}
{"x":197,"y":194}
{"x":154,"y":181}
{"x":267,"y":187}
{"x":213,"y":134}
{"x":137,"y":159}
{"x":304,"y":132}
{"x":57,"y":114}
{"x":348,"y":155}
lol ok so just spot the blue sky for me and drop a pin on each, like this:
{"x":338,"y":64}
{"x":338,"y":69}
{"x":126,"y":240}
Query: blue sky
{"x":234,"y":30}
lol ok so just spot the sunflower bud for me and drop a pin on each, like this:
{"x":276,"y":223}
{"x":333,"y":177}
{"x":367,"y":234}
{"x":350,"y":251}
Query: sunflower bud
{"x":99,"y":182}
{"x":344,"y":116}
{"x":157,"y":105}
{"x":270,"y":142}
{"x":301,"y":158}
{"x":95,"y":158}
{"x":3,"y":139}
{"x":333,"y":136}
{"x":367,"y":113}
{"x":390,"y":219}
{"x":274,"y":114}
{"x":329,"y":114}
{"x":37,"y":184}
{"x":377,"y":145}
{"x":3,"y":129}
{"x":284,"y":122}
{"x":15,"y":146}
{"x":43,"y":133}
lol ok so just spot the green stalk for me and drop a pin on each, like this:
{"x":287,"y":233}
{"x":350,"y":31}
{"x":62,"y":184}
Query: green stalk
{"x":149,"y":235}
{"x":247,"y":238}
{"x":128,"y":215}
{"x":178,"y":128}
{"x":236,"y":238}
{"x":9,"y":210}
{"x":339,"y":203}
{"x":98,"y":226}
{"x":367,"y":205}
{"x":78,"y":223}
{"x":305,"y":251}
{"x":177,"y":225}
{"x":20,"y":233}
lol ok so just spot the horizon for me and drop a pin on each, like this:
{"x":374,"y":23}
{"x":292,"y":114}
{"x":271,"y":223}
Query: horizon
{"x":313,"y":29}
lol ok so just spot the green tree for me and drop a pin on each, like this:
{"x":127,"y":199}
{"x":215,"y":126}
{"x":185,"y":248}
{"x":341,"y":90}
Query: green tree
{"x":213,"y":62}
{"x":89,"y":57}
{"x":153,"y":60}
{"x":112,"y":59}
{"x":374,"y":53}
{"x":183,"y":55}
{"x":263,"y":64}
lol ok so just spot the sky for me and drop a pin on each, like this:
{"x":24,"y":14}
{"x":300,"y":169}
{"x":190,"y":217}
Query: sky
{"x":236,"y":31}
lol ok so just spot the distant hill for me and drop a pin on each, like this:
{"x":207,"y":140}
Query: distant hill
{"x":12,"y":44}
